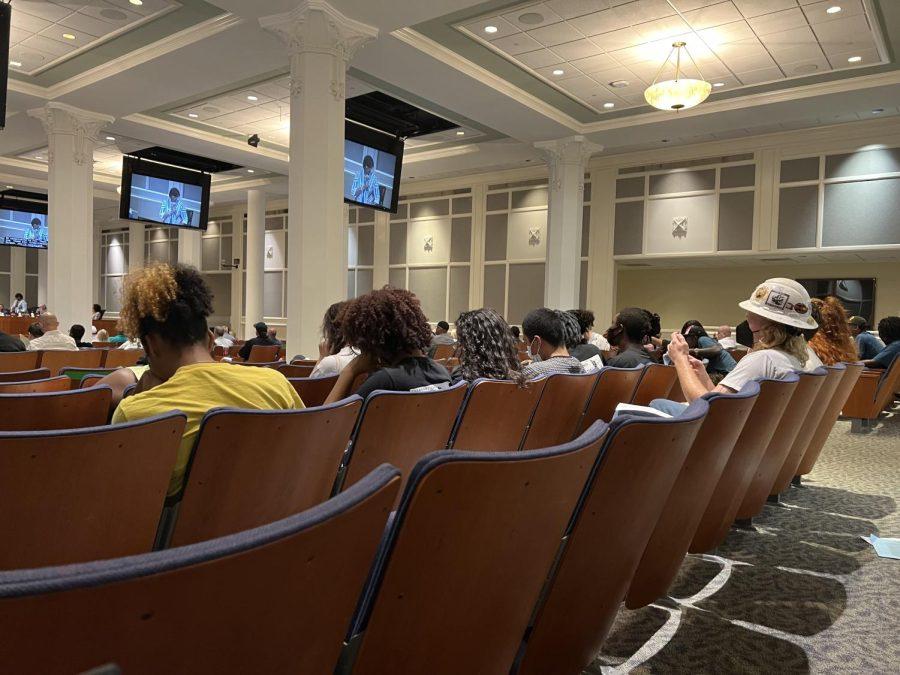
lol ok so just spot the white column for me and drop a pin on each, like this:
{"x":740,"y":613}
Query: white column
{"x":255,"y":263}
{"x":321,"y":41}
{"x":382,"y":253}
{"x":237,"y":274}
{"x":72,"y":134}
{"x":95,"y":277}
{"x":566,"y":159}
{"x":43,"y":297}
{"x":17,"y":276}
{"x":190,"y":247}
{"x":136,"y":246}
{"x":602,"y":267}
{"x":476,"y":269}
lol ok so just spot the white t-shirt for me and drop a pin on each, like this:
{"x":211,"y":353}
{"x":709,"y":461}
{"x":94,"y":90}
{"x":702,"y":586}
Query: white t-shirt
{"x":766,"y":363}
{"x":53,"y":340}
{"x":812,"y":361}
{"x":728,"y":343}
{"x":334,"y":363}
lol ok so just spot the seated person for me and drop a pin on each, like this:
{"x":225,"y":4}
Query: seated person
{"x":262,"y":338}
{"x":867,"y":344}
{"x":334,"y":352}
{"x":98,"y":312}
{"x":743,"y":334}
{"x":578,"y":328}
{"x":889,"y":330}
{"x":10,"y":343}
{"x":487,"y":348}
{"x":832,"y":342}
{"x":102,"y":335}
{"x":119,"y":338}
{"x":52,"y":338}
{"x":76,"y":332}
{"x":219,"y":338}
{"x":545,"y":335}
{"x":441,"y":337}
{"x":629,"y":333}
{"x":34,"y":330}
{"x":167,"y":308}
{"x":723,"y":335}
{"x":273,"y":336}
{"x":391,"y":332}
{"x":720,"y":362}
{"x":586,"y":321}
{"x":517,"y":336}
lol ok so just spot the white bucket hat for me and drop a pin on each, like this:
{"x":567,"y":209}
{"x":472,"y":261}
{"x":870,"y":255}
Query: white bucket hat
{"x":782,"y":301}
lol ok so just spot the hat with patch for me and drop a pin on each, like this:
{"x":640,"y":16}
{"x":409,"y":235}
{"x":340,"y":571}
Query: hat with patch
{"x":783,"y":301}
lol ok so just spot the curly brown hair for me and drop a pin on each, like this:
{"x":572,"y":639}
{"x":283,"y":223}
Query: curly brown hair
{"x":833,"y":342}
{"x":487,"y":347}
{"x":386,"y":323}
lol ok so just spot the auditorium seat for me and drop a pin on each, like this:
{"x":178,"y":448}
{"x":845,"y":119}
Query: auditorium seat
{"x":77,"y":495}
{"x":83,"y":358}
{"x":103,"y":344}
{"x":218,"y":352}
{"x":260,"y":364}
{"x":400,"y":427}
{"x":465,"y":559}
{"x":25,"y":375}
{"x":313,"y":390}
{"x":16,"y":361}
{"x":622,"y":503}
{"x":123,"y":358}
{"x":495,"y":415}
{"x":614,"y":386}
{"x":277,"y":599}
{"x":693,"y":487}
{"x":443,"y":352}
{"x":656,"y":381}
{"x":234,"y":351}
{"x":37,"y":386}
{"x":559,"y":410}
{"x":854,"y":370}
{"x":78,"y":375}
{"x":737,"y":353}
{"x":774,"y":397}
{"x":263,"y":354}
{"x":290,"y":370}
{"x":55,"y":410}
{"x":303,"y":362}
{"x":792,"y":420}
{"x":252,"y":467}
{"x":874,"y":391}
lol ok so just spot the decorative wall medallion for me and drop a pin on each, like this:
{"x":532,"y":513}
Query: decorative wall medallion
{"x":270,"y":252}
{"x":679,"y":226}
{"x":429,"y":243}
{"x":534,"y":236}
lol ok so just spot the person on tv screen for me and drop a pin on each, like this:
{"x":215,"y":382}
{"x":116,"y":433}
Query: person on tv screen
{"x":365,"y":183}
{"x":172,"y":211}
{"x":36,"y":235}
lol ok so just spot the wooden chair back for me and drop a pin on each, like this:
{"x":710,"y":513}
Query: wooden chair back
{"x":83,"y":358}
{"x":90,"y":380}
{"x":260,"y":364}
{"x":614,"y":386}
{"x":495,"y":415}
{"x":737,"y":353}
{"x":25,"y":375}
{"x":55,"y":410}
{"x":123,"y":358}
{"x":277,"y":599}
{"x":656,"y":381}
{"x":559,"y":410}
{"x":740,"y":469}
{"x":789,"y":426}
{"x":234,"y":351}
{"x":874,"y":390}
{"x":103,"y":344}
{"x":263,"y":353}
{"x":37,"y":386}
{"x":444,"y":352}
{"x":11,"y":362}
{"x":829,"y":417}
{"x":621,"y":506}
{"x":78,"y":495}
{"x":291,"y":370}
{"x":313,"y":390}
{"x":473,"y":539}
{"x":77,"y":375}
{"x":399,"y":427}
{"x":693,"y":487}
{"x":218,"y":351}
{"x":304,"y":362}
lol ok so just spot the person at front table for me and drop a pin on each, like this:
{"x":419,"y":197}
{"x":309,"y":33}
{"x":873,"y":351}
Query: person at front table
{"x":365,"y":183}
{"x":172,"y":211}
{"x":52,"y":339}
{"x":19,"y":306}
{"x":36,"y":235}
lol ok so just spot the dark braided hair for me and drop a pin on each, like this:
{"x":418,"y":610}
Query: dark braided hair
{"x":331,"y":328}
{"x":487,"y":347}
{"x":386,"y":323}
{"x":571,"y":329}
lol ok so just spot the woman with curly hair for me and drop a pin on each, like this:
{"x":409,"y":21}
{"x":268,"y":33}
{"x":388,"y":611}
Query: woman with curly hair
{"x":487,"y":348}
{"x":833,"y":342}
{"x":391,"y":332}
{"x":167,"y":307}
{"x":334,"y":352}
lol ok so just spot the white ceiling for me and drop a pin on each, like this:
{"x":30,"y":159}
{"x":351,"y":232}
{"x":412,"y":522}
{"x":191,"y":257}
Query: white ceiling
{"x":582,"y":46}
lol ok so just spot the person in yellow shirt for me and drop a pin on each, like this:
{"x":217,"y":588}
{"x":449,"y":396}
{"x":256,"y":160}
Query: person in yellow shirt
{"x":167,"y":307}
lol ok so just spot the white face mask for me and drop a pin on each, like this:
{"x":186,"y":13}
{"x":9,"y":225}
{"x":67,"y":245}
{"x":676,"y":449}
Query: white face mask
{"x":532,"y":354}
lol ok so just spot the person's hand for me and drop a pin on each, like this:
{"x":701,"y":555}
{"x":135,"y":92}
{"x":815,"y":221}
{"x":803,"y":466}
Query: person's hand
{"x":696,"y":365}
{"x":364,"y":363}
{"x":678,"y":348}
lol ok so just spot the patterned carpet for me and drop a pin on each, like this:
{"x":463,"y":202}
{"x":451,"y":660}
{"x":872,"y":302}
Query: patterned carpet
{"x":802,"y":594}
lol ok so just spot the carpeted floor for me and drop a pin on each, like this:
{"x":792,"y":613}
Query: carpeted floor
{"x":802,"y":594}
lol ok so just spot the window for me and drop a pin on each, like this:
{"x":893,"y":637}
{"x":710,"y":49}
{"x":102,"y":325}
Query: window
{"x":360,"y":250}
{"x":113,"y":268}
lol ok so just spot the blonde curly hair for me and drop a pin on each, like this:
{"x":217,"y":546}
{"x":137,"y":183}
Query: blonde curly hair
{"x":783,"y":338}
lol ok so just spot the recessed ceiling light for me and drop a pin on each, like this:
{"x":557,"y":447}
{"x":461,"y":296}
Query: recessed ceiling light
{"x":618,"y":84}
{"x":460,"y":133}
{"x":251,"y":97}
{"x":9,"y":187}
{"x":490,"y":29}
{"x":854,"y":59}
{"x":110,"y":138}
{"x":877,"y":111}
{"x":15,"y":64}
{"x":38,"y":157}
{"x":559,"y":71}
{"x":250,"y":171}
{"x":193,"y":115}
{"x":609,"y":105}
{"x":68,"y":36}
{"x":834,"y":9}
{"x":718,"y":84}
{"x":136,"y":3}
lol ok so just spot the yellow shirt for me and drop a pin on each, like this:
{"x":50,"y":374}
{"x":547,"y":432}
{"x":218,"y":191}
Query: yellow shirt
{"x":199,"y":387}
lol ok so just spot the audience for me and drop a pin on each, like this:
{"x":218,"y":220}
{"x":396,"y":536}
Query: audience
{"x":867,"y":344}
{"x":702,"y":346}
{"x":273,"y":336}
{"x":723,"y":335}
{"x":391,"y":332}
{"x":545,"y":335}
{"x":119,"y":338}
{"x":52,"y":339}
{"x":743,"y":334}
{"x":889,"y":330}
{"x":517,"y":336}
{"x":630,"y":331}
{"x":487,"y":348}
{"x":832,"y":343}
{"x":76,"y":332}
{"x":262,"y":338}
{"x":19,"y":306}
{"x":334,"y":352}
{"x":98,"y":312}
{"x":441,"y":337}
{"x":576,"y":336}
{"x":219,"y":338}
{"x":10,"y":343}
{"x":167,"y":308}
{"x":34,"y":330}
{"x":102,"y":335}
{"x":586,"y":320}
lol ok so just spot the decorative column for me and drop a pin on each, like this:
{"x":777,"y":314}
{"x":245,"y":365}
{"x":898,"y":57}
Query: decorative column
{"x":382,"y":252}
{"x":96,"y":288}
{"x":190,"y":247}
{"x":72,"y":135}
{"x":566,"y":159}
{"x":17,"y":276}
{"x":602,"y":268}
{"x":255,"y":263}
{"x":237,"y":274}
{"x":321,"y":41}
{"x":136,"y":246}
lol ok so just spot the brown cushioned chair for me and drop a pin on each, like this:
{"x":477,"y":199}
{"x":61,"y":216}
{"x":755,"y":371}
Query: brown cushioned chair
{"x":304,"y":362}
{"x":263,"y":354}
{"x":737,"y":353}
{"x":495,"y":415}
{"x":84,"y":494}
{"x":696,"y":481}
{"x":37,"y":386}
{"x":873,"y":392}
{"x":313,"y":390}
{"x":656,"y":382}
{"x":293,"y":370}
{"x":466,"y":556}
{"x":614,"y":386}
{"x":277,"y":599}
{"x":55,"y":410}
{"x":83,"y":358}
{"x":622,"y":503}
{"x":17,"y":361}
{"x":252,"y":467}
{"x":25,"y":375}
{"x":443,"y":352}
{"x":559,"y":410}
{"x":123,"y":358}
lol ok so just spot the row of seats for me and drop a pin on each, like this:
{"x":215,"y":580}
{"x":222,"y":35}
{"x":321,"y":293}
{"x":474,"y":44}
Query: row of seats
{"x":54,"y":360}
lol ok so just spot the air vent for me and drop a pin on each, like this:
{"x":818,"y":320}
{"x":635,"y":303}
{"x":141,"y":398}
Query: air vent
{"x":778,"y":260}
{"x":636,"y":264}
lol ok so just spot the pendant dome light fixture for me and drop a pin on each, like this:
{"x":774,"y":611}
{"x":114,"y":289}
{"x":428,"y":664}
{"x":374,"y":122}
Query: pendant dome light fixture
{"x":680,"y":93}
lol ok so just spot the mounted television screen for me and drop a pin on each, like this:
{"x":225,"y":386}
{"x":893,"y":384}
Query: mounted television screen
{"x":159,"y":193}
{"x":23,"y":224}
{"x":857,"y":295}
{"x":372,"y":162}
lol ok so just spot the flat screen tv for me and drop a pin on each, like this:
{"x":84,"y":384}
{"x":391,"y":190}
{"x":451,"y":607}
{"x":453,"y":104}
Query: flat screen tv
{"x":164,"y":194}
{"x":857,"y":295}
{"x":372,"y":162}
{"x":23,"y":223}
